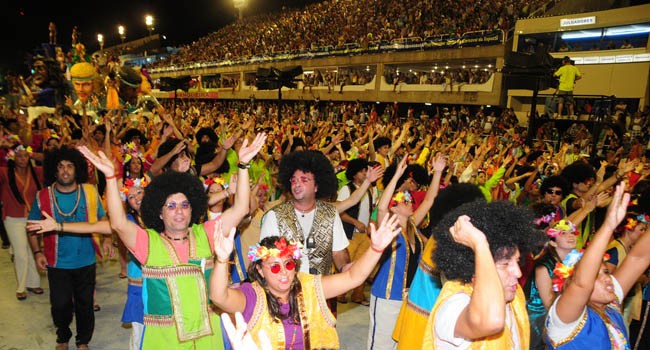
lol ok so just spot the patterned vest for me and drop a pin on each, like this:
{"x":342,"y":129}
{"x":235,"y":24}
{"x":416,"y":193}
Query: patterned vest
{"x":317,"y":322}
{"x":177,"y":312}
{"x":320,"y":258}
{"x":502,"y":340}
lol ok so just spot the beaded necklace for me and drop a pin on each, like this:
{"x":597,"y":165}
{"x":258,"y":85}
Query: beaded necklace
{"x":76,"y":204}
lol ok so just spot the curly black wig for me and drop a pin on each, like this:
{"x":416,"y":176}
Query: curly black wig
{"x":578,"y":172}
{"x":381,"y":141}
{"x":416,"y":171}
{"x":355,"y":166}
{"x":555,"y":181}
{"x":206,"y":132}
{"x":163,"y":186}
{"x":313,"y":162}
{"x":449,"y":198}
{"x":130,"y":134}
{"x":505,"y":226}
{"x":72,"y":155}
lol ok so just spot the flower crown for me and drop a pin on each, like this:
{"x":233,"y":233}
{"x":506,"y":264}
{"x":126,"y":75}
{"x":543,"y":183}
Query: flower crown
{"x":545,"y":219}
{"x":401,"y":197}
{"x":559,"y":227}
{"x":212,"y":180}
{"x":282,"y":250}
{"x":130,"y":183}
{"x":11,"y":154}
{"x":565,"y":269}
{"x":633,"y":222}
{"x":129,"y":150}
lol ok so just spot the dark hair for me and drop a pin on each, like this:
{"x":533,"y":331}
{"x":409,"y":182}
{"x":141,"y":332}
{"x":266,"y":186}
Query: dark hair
{"x":132,"y":133}
{"x":416,"y":171}
{"x":167,"y":147}
{"x":206,"y":132}
{"x":449,"y":198}
{"x":126,"y":169}
{"x":313,"y":162}
{"x":506,"y":227}
{"x":355,"y":166}
{"x":165,"y":185}
{"x":11,"y":177}
{"x":381,"y":141}
{"x":271,"y":301}
{"x":578,"y":172}
{"x":297,"y":142}
{"x":555,"y":181}
{"x":72,"y":155}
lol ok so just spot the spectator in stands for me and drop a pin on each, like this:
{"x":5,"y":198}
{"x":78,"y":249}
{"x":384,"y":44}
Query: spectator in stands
{"x":568,"y":75}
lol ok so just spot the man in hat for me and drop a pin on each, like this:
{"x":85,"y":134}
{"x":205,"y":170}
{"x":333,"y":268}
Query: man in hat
{"x":83,"y":75}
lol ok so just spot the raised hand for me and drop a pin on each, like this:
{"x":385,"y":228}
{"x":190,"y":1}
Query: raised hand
{"x":617,"y":207}
{"x":240,"y":338}
{"x":439,"y":163}
{"x":381,"y":237}
{"x":223,"y":244}
{"x":48,"y":224}
{"x":375,"y":173}
{"x":465,"y":233}
{"x":401,"y":168}
{"x":247,"y":152}
{"x":101,"y":162}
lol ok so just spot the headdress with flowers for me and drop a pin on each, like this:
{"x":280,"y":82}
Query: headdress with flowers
{"x":11,"y":154}
{"x":283,"y":249}
{"x":565,"y":269}
{"x":401,"y":197}
{"x":130,"y":183}
{"x":546,"y":219}
{"x":130,"y":150}
{"x":214,"y":180}
{"x":632,"y":222}
{"x":560,"y":226}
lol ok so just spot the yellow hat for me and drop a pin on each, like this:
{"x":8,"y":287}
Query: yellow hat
{"x":83,"y":71}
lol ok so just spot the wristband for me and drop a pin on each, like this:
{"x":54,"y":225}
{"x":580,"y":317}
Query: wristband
{"x":216,"y":258}
{"x":38,"y":251}
{"x":244,"y":166}
{"x":376,"y":250}
{"x":114,"y":176}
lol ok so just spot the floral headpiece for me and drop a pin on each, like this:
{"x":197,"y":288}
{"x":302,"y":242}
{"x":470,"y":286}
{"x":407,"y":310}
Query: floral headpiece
{"x":11,"y":154}
{"x":129,"y":150}
{"x":565,"y":269}
{"x":559,"y":227}
{"x":633,"y":222}
{"x":282,"y":250}
{"x":212,"y":180}
{"x":401,"y":197}
{"x":545,"y":219}
{"x":130,"y":183}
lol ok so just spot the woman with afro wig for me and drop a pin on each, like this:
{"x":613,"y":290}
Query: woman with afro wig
{"x":176,"y":250}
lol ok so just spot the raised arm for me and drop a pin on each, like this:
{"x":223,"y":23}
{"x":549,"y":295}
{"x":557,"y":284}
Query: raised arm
{"x":374,"y":173}
{"x":485,"y":313}
{"x":420,"y":213}
{"x":124,"y":228}
{"x":339,"y":283}
{"x":233,"y":215}
{"x":575,"y":297}
{"x":230,"y":300}
{"x":389,"y":190}
{"x":635,"y":263}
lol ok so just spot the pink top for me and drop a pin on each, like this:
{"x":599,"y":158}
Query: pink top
{"x":141,"y":251}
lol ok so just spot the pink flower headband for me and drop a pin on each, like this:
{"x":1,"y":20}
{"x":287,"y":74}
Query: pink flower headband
{"x":11,"y":154}
{"x":559,"y":227}
{"x":130,"y":183}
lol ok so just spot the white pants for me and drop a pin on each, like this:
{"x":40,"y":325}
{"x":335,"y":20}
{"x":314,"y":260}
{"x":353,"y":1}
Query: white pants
{"x":26,"y":273}
{"x":383,"y":315}
{"x":137,"y":333}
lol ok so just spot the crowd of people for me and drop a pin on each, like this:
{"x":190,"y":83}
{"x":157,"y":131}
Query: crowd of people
{"x":468,"y":233}
{"x":336,"y":23}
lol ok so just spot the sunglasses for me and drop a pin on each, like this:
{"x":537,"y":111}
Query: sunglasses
{"x":173,"y":205}
{"x":289,"y":265}
{"x":557,"y":192}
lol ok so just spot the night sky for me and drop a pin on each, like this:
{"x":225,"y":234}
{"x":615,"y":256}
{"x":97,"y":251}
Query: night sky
{"x":25,"y":22}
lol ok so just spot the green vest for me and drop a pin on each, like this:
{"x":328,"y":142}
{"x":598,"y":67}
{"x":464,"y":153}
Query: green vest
{"x":177,"y":311}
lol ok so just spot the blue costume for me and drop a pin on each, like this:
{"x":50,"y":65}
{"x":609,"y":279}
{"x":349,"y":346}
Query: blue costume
{"x":534,"y":305}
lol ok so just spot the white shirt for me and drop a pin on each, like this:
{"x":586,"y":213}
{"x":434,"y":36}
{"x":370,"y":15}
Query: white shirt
{"x":447,"y":316}
{"x":270,"y":228}
{"x":364,"y":204}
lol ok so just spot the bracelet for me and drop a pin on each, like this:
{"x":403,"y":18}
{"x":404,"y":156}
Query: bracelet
{"x":216,"y":258}
{"x":228,"y":192}
{"x":376,"y":250}
{"x":114,"y":176}
{"x":38,"y":251}
{"x":244,"y":165}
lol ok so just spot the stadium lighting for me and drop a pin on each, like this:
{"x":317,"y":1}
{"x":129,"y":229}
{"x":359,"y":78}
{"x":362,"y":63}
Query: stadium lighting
{"x":122,"y":32}
{"x":148,"y":20}
{"x":100,"y":39}
{"x":596,"y":33}
{"x":240,"y":5}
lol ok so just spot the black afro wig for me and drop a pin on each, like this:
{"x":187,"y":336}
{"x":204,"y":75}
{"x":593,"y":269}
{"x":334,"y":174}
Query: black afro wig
{"x":578,"y":172}
{"x":72,"y":155}
{"x":449,"y":198}
{"x":313,"y":162}
{"x":555,"y":181}
{"x":505,"y":226}
{"x":163,"y":186}
{"x":355,"y":166}
{"x":416,"y":171}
